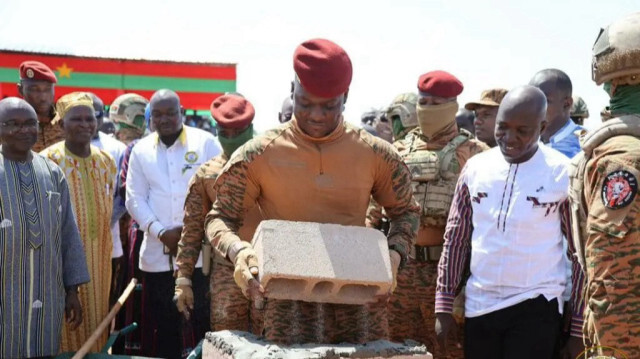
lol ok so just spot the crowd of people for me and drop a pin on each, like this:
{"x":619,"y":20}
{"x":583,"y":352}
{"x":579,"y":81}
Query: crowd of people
{"x":512,"y":230}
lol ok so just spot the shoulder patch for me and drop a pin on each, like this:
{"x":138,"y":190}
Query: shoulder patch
{"x":619,"y":189}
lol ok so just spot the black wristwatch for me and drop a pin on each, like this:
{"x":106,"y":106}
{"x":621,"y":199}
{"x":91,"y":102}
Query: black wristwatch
{"x":403,"y":255}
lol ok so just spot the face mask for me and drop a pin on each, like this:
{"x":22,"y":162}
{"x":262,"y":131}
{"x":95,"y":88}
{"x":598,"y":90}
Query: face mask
{"x":397,"y":128}
{"x":433,"y":118}
{"x":229,"y":145}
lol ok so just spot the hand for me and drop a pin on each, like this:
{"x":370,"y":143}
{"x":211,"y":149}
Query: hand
{"x":446,"y":326}
{"x":184,"y":300}
{"x":73,"y":309}
{"x":572,"y":348}
{"x":395,"y":260}
{"x":170,"y":238}
{"x":246,"y":272}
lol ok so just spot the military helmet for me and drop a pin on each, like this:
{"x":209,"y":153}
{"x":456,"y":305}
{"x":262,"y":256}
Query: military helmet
{"x":404,"y":106}
{"x":579,"y":108}
{"x":616,"y":52}
{"x":128,"y":110}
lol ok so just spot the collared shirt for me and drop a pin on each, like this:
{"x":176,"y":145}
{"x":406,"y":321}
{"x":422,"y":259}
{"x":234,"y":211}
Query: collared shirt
{"x":508,"y":222}
{"x":565,"y":140}
{"x":157,"y":183}
{"x":116,"y":149}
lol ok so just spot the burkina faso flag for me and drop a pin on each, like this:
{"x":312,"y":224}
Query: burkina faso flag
{"x":197,"y":84}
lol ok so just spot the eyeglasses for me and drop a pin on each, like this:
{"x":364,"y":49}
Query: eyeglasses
{"x":12,"y":126}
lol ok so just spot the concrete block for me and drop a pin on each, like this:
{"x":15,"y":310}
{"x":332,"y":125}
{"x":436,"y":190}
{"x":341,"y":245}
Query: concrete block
{"x":325,"y":263}
{"x":241,"y":345}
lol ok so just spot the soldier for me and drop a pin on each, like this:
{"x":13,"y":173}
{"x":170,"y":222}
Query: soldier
{"x":229,"y":307}
{"x":486,"y":110}
{"x":605,"y":205}
{"x":579,"y":111}
{"x":402,"y":113}
{"x":287,"y":110}
{"x":128,"y":113}
{"x":37,"y":87}
{"x":434,"y":152}
{"x":314,"y":168}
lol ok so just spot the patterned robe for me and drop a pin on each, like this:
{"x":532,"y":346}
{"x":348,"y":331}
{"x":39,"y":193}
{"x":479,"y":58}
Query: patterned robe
{"x":40,"y":254}
{"x":91,"y":181}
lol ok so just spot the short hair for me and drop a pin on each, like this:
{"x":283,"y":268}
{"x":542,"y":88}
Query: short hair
{"x":561,"y":80}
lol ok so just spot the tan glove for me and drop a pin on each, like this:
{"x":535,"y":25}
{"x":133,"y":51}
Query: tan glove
{"x":246,"y":265}
{"x":184,"y":299}
{"x":395,"y":264}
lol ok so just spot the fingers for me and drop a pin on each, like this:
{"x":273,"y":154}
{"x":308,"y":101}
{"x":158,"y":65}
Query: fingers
{"x":77,"y":317}
{"x":256,"y":293}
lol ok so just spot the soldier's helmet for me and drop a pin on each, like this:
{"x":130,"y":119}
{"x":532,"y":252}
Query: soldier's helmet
{"x":128,"y":111}
{"x":616,"y":52}
{"x":579,"y":108}
{"x":404,"y":106}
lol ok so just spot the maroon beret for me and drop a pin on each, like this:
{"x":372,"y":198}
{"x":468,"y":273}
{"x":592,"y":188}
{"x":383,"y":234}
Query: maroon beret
{"x":323,"y":68}
{"x":440,"y":84}
{"x":232,"y":111}
{"x":34,"y":70}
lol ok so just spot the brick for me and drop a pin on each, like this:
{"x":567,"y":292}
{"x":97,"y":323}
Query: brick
{"x":325,"y":263}
{"x":241,"y":345}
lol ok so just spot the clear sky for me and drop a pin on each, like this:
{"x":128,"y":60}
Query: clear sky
{"x":484,"y":43}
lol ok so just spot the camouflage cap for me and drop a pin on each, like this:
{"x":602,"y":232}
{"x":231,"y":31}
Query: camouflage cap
{"x":404,"y":106}
{"x":616,"y":52}
{"x":491,"y":98}
{"x":127,"y":111}
{"x":579,"y":108}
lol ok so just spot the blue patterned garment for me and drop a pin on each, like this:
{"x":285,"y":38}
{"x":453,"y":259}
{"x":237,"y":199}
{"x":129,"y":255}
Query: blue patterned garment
{"x":40,"y":254}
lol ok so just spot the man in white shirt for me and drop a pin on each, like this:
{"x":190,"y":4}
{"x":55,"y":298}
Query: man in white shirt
{"x":160,"y":168}
{"x":506,"y":226}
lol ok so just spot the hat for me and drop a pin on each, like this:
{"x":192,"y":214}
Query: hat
{"x":232,"y":111}
{"x":440,"y":84}
{"x":579,"y":108}
{"x":128,"y":110}
{"x":71,"y":100}
{"x":491,"y":98}
{"x":323,"y":68}
{"x":35,"y":70}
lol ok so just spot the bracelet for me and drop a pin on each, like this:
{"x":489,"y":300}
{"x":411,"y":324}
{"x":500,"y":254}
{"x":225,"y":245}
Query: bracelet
{"x":161,"y":233}
{"x":183,"y":281}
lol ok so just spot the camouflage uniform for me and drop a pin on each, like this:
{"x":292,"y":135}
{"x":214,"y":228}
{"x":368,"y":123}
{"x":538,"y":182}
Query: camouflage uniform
{"x":328,"y":180}
{"x":605,"y":205}
{"x":49,"y":133}
{"x":127,"y":113}
{"x":229,"y":307}
{"x":434,"y":167}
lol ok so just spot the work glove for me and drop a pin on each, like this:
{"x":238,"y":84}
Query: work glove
{"x":246,"y":266}
{"x":184,"y":299}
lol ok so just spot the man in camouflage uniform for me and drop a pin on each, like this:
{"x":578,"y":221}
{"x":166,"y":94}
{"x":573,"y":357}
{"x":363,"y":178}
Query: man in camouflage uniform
{"x":579,"y":111}
{"x":229,"y":307}
{"x":485,"y":111}
{"x":128,"y":114}
{"x":605,"y":204}
{"x":314,"y":168}
{"x":37,"y":87}
{"x":435,"y":153}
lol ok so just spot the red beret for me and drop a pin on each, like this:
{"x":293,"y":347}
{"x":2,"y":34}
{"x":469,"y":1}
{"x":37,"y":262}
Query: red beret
{"x":323,"y":68}
{"x":440,"y":84}
{"x":232,"y":111}
{"x":34,"y":70}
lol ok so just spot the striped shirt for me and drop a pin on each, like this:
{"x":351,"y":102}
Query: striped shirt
{"x":506,"y":227}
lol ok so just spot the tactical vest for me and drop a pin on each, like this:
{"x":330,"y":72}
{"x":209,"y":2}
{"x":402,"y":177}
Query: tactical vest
{"x":434,"y":175}
{"x":622,"y":126}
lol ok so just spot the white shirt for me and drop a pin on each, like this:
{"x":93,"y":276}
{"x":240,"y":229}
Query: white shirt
{"x":116,"y":149}
{"x":517,"y":240}
{"x":157,"y":183}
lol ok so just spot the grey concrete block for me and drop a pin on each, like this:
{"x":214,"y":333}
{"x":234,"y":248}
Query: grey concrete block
{"x":325,"y":263}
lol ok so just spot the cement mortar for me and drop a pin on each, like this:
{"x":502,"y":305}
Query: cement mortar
{"x":241,"y":345}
